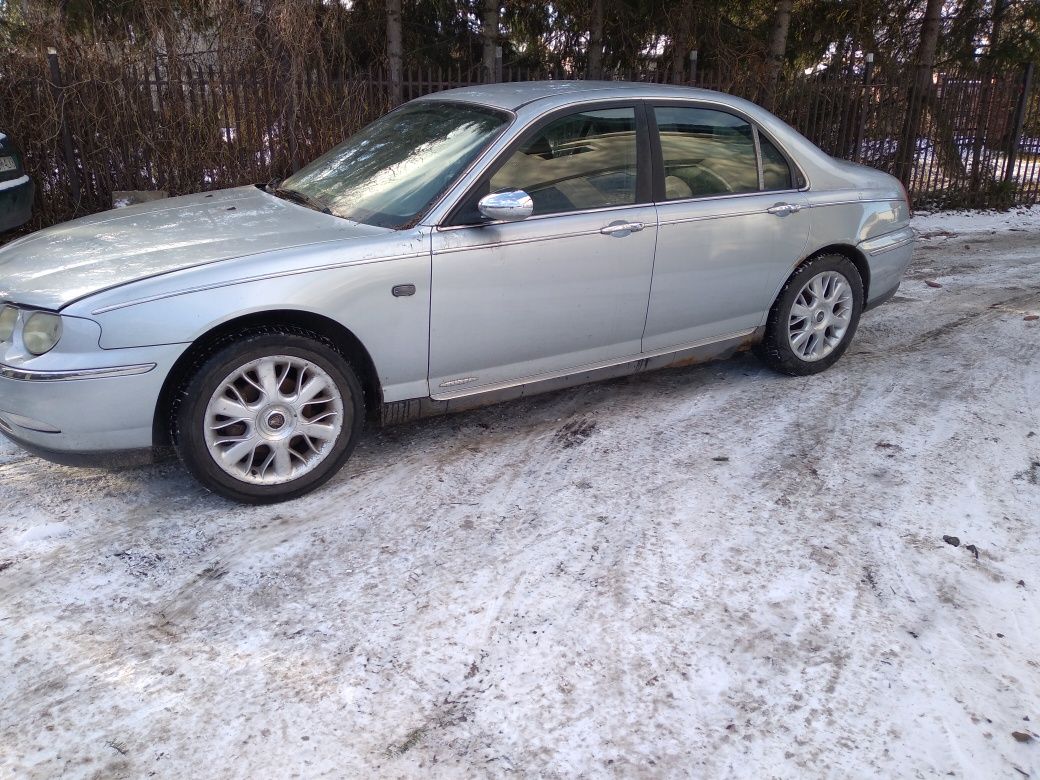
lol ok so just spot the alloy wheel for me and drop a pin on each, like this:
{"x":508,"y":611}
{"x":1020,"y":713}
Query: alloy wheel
{"x":820,"y":316}
{"x":273,"y":420}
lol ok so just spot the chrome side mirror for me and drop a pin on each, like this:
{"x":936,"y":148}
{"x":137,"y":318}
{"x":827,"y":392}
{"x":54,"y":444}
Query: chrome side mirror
{"x":507,"y":206}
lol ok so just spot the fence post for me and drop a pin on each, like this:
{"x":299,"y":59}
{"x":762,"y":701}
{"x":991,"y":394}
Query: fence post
{"x":693,"y":68}
{"x":394,"y":52}
{"x":58,"y":88}
{"x":868,"y":72}
{"x":982,"y":118}
{"x":294,"y":108}
{"x":1020,"y":118}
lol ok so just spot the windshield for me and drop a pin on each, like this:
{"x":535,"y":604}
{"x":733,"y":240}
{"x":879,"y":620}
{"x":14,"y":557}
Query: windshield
{"x":392,"y":170}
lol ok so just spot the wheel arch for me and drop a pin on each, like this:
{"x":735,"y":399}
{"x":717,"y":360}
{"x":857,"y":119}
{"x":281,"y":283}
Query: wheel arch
{"x":344,"y":340}
{"x":854,"y":255}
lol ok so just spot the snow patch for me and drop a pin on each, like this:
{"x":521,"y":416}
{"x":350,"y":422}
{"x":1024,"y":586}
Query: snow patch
{"x":39,"y":533}
{"x":973,"y":222}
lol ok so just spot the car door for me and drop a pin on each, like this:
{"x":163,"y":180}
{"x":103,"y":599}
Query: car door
{"x":564,"y":289}
{"x":732,"y":225}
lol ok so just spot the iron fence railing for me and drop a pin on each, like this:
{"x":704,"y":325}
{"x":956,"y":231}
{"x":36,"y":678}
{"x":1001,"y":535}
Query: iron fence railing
{"x":90,"y":125}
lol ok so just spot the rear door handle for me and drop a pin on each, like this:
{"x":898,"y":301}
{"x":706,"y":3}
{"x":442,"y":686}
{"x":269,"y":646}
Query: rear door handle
{"x":783,"y":209}
{"x":621,"y":227}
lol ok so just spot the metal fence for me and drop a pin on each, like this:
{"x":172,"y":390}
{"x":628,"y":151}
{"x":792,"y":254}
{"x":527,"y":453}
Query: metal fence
{"x":91,"y":125}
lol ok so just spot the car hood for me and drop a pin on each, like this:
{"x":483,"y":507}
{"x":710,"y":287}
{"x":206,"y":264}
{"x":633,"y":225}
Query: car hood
{"x":58,"y":265}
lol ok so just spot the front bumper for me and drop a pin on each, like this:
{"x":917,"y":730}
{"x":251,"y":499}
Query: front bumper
{"x":79,"y":414}
{"x":100,"y":459}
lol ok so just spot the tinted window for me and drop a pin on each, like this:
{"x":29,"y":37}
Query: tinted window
{"x":776,"y":173}
{"x":705,"y":152}
{"x":581,"y":161}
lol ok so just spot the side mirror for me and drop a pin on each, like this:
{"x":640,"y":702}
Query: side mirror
{"x":507,"y":206}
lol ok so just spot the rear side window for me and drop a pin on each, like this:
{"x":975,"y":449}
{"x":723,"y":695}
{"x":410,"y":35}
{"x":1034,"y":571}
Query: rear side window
{"x":705,"y":152}
{"x":776,"y":172}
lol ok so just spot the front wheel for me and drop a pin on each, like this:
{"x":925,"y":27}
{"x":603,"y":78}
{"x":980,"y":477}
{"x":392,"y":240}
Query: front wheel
{"x":268,"y":417}
{"x":814,"y":318}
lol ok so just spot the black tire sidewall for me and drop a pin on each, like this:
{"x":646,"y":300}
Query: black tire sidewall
{"x":775,"y":348}
{"x":189,"y":422}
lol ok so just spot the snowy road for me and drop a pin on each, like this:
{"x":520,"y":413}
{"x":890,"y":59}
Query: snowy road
{"x":710,"y":572}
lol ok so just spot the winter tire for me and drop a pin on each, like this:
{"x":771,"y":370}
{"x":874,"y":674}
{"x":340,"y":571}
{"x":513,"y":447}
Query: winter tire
{"x":814,"y":318}
{"x":269,"y":416}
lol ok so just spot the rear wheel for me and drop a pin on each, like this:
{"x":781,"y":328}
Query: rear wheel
{"x":269,"y":416}
{"x":814,"y":318}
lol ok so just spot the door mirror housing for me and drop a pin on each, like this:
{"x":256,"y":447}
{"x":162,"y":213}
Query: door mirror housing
{"x":509,"y":206}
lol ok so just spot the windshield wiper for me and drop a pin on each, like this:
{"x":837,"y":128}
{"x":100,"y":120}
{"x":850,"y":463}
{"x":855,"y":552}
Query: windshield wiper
{"x":300,"y":197}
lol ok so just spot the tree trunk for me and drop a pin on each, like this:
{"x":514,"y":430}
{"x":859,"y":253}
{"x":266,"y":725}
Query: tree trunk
{"x":985,"y":100}
{"x":678,"y":62}
{"x":997,"y":26}
{"x":595,"y":69}
{"x":490,"y":35}
{"x":920,"y":89}
{"x":393,"y":49}
{"x":945,"y":139}
{"x":777,"y":49}
{"x":682,"y":39}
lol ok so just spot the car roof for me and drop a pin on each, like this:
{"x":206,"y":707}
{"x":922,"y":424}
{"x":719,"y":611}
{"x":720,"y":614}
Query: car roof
{"x":516,"y":94}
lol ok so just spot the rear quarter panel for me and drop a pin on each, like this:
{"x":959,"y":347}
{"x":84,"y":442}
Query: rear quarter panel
{"x":872,"y":215}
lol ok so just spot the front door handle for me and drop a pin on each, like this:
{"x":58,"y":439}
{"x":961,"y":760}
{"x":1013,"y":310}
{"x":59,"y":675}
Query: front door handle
{"x":621,"y":227}
{"x":783,"y":209}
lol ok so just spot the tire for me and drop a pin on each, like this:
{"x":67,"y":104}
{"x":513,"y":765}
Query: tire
{"x":803,"y":345}
{"x":268,"y":415}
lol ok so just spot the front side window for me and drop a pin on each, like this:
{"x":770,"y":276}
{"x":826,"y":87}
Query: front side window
{"x":391,"y":171}
{"x":705,"y":152}
{"x":585,"y":160}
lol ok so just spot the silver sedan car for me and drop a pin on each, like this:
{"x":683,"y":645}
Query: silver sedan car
{"x":471,"y":246}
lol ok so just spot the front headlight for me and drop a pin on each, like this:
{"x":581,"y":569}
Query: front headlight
{"x":8,"y":317}
{"x":41,"y":332}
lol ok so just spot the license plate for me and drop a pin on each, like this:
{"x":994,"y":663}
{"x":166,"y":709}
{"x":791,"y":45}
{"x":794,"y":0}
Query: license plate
{"x":6,"y":164}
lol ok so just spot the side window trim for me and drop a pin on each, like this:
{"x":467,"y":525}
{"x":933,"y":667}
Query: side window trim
{"x":644,"y":181}
{"x":758,"y":158}
{"x":657,"y":155}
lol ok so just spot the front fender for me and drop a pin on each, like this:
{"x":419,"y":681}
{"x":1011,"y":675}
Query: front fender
{"x":351,"y":290}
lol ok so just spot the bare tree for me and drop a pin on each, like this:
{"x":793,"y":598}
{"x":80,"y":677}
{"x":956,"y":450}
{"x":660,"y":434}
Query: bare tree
{"x":393,"y":49}
{"x":920,"y":90}
{"x":777,"y":49}
{"x":986,"y":95}
{"x":682,"y":37}
{"x":489,"y":33}
{"x":595,"y":69}
{"x":996,"y":25}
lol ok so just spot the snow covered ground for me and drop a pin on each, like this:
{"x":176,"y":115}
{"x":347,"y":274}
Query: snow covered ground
{"x":712,"y":572}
